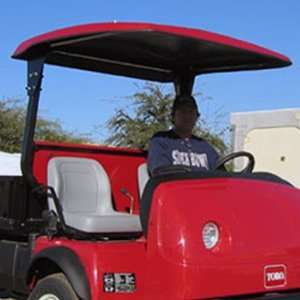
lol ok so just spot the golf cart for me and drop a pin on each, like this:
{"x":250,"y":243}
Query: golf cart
{"x":87,"y":222}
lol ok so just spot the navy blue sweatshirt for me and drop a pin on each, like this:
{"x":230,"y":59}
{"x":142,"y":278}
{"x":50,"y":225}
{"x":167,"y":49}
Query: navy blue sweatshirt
{"x":167,"y":148}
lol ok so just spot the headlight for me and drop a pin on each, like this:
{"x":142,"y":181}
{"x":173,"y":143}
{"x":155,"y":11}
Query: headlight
{"x":210,"y":235}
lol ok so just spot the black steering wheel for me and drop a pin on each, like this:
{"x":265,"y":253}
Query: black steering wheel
{"x":249,"y":167}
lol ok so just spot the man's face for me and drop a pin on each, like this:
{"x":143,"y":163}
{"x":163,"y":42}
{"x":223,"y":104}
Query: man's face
{"x":185,"y":118}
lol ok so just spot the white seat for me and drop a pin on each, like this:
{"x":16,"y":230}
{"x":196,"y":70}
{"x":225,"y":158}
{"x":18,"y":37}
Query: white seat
{"x":143,"y":177}
{"x":83,"y":189}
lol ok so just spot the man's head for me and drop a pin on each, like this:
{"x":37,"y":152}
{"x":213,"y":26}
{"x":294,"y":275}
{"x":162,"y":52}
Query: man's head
{"x":184,"y":113}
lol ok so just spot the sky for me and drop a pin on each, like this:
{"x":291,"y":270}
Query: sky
{"x":272,"y":24}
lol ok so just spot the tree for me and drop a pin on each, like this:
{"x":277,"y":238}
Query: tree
{"x":12,"y":120}
{"x":151,"y":113}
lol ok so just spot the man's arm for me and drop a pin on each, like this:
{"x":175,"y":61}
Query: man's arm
{"x":213,"y":158}
{"x":158,"y":154}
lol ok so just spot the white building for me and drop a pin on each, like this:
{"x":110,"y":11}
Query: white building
{"x":273,"y":137}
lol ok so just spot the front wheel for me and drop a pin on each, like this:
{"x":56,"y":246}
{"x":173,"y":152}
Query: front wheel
{"x":53,"y":287}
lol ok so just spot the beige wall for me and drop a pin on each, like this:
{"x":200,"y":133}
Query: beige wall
{"x":276,"y":150}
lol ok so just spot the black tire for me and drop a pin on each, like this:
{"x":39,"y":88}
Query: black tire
{"x":55,"y":285}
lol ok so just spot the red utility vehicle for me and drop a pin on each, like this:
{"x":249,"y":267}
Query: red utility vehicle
{"x":87,"y":222}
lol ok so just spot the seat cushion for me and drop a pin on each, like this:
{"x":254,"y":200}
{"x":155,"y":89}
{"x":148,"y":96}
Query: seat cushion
{"x":116,"y":222}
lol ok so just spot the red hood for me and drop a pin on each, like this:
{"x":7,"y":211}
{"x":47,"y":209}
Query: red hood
{"x":259,"y":223}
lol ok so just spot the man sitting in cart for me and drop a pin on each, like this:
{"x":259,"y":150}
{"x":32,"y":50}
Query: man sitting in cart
{"x":178,"y":147}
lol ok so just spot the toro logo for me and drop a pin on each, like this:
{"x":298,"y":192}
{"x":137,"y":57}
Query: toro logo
{"x":275,"y":276}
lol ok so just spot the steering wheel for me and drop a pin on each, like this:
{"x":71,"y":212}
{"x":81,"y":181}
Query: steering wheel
{"x":249,"y":167}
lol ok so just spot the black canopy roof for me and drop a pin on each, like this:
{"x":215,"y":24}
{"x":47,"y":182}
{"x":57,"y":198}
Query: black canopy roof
{"x":147,"y":51}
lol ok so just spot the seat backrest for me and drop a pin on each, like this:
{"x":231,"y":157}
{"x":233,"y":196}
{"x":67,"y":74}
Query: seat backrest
{"x":143,"y":177}
{"x":81,"y":184}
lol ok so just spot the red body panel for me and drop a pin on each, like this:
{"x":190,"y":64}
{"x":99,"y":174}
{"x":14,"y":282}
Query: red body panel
{"x":100,"y":257}
{"x":258,"y":220}
{"x":255,"y":233}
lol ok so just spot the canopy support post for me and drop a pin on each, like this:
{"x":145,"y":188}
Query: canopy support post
{"x":34,"y":82}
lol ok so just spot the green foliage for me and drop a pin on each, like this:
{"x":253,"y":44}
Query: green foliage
{"x":150,"y":112}
{"x":52,"y":131}
{"x":12,"y":120}
{"x":149,"y":115}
